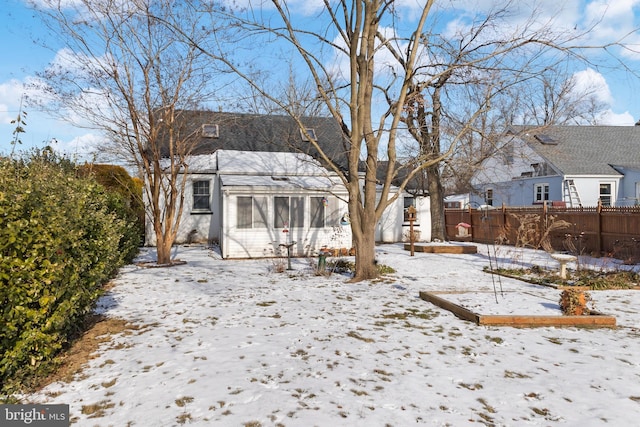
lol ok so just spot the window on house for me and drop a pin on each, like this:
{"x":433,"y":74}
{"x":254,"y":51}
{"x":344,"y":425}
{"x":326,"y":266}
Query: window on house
{"x":488,"y":197}
{"x":201,"y":196}
{"x":605,"y":194}
{"x":540,"y":193}
{"x":210,"y":131}
{"x":453,"y":205}
{"x":317,"y":210}
{"x":288,"y":212}
{"x":508,"y":153}
{"x":408,"y":201}
{"x":311,"y":135}
{"x":251,"y":212}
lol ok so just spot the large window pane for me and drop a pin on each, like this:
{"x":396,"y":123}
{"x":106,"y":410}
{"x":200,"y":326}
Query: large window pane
{"x":334,"y":214}
{"x":297,"y":212}
{"x":259,"y":212}
{"x":281,"y":214}
{"x":317,"y":210}
{"x":245,"y":205}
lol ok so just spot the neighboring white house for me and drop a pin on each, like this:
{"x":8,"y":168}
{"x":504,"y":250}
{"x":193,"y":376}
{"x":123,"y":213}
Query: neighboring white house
{"x":564,"y":165}
{"x":255,"y":204}
{"x":456,"y":201}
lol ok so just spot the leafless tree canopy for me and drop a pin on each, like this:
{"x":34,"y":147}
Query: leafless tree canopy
{"x":126,"y":73}
{"x":388,"y":80}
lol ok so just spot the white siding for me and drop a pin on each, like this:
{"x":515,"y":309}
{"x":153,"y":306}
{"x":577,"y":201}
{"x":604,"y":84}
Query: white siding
{"x":589,"y":188}
{"x":234,"y":174}
{"x":261,"y":242}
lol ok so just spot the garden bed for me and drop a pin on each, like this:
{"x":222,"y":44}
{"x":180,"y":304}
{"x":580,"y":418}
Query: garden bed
{"x":435,"y":248}
{"x":583,"y":279}
{"x":542,"y":312}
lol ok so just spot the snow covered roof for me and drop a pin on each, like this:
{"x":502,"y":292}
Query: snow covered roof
{"x":288,"y":182}
{"x":263,"y":132}
{"x":267,"y":163}
{"x":255,"y":163}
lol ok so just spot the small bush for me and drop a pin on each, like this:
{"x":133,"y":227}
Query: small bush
{"x":343,"y":266}
{"x":61,"y":238}
{"x":574,"y":302}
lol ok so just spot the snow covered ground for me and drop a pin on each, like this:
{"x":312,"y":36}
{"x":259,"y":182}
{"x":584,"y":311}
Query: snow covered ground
{"x":233,"y":343}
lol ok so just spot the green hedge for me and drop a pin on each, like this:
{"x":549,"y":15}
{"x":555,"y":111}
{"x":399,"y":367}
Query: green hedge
{"x":61,"y":238}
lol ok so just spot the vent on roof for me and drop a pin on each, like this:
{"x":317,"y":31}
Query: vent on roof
{"x":546,"y":139}
{"x":280,"y":178}
{"x":210,"y":131}
{"x":311,"y":133}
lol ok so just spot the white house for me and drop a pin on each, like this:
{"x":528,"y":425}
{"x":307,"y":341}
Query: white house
{"x":565,"y":165}
{"x":257,"y":204}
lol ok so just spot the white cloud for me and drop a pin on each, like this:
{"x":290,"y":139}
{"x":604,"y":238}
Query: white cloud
{"x":80,"y":148}
{"x":608,"y":117}
{"x":614,"y":21}
{"x":10,"y":94}
{"x":591,"y":82}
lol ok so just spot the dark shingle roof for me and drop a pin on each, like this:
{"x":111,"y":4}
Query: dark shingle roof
{"x":272,"y":133}
{"x":583,"y":150}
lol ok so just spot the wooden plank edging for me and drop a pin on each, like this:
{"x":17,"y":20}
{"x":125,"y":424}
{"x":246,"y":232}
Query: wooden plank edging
{"x":456,"y":309}
{"x":594,"y":320}
{"x":442,"y":249}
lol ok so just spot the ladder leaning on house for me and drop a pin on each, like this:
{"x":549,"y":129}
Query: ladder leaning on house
{"x":571,"y":194}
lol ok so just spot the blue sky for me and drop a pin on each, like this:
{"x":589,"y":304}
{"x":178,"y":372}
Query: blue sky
{"x":21,"y":58}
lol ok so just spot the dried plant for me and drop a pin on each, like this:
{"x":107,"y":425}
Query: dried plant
{"x":535,"y":232}
{"x":574,"y":302}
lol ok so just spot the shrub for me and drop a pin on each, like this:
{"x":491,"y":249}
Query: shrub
{"x":574,"y":302}
{"x":343,"y":266}
{"x":61,"y":238}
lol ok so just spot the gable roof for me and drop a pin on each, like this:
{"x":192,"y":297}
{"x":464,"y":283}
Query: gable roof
{"x":261,"y":169}
{"x":585,"y":150}
{"x":260,"y":132}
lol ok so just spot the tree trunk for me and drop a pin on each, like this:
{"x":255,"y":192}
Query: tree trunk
{"x":436,"y":201}
{"x":164,"y":242}
{"x":365,"y":245}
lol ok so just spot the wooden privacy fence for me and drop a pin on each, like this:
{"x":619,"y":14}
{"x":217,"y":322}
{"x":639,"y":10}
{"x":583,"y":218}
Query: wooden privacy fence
{"x":596,"y":231}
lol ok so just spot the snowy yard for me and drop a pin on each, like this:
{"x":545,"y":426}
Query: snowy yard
{"x":232,"y":343}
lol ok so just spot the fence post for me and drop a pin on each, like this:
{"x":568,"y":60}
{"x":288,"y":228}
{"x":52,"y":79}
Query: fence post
{"x":473,"y":234}
{"x":504,"y":219}
{"x":599,"y":229}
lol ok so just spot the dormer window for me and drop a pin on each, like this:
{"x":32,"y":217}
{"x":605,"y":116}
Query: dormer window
{"x":210,"y":131}
{"x":311,"y":133}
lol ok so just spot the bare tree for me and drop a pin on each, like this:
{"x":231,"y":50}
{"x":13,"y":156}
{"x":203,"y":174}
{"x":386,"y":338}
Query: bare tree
{"x":350,"y":100}
{"x":125,"y":73}
{"x":364,"y":55}
{"x":553,"y":98}
{"x":549,"y":98}
{"x":465,"y":73}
